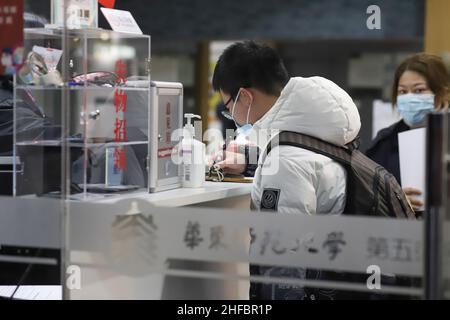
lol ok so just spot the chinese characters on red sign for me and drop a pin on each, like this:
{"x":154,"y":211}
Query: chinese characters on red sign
{"x":11,"y":39}
{"x":120,"y":128}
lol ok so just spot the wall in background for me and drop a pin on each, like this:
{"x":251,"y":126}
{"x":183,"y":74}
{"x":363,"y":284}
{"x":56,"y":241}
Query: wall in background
{"x":178,"y":23}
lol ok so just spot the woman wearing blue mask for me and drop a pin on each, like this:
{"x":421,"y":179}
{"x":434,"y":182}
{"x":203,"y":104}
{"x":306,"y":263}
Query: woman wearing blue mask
{"x":421,"y":85}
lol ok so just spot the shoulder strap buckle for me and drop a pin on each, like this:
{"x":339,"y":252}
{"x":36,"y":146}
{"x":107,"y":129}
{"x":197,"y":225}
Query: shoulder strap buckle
{"x":354,"y":145}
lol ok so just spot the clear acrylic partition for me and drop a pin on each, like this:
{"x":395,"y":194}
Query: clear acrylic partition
{"x":133,"y":250}
{"x":81,"y":113}
{"x":81,"y":106}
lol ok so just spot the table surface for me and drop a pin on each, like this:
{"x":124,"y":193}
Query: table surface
{"x":211,"y":191}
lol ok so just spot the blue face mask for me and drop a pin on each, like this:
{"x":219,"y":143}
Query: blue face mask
{"x":246,"y":128}
{"x":414,"y":107}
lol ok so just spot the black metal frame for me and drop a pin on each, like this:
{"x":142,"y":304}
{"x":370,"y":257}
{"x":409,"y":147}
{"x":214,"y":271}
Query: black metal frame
{"x":436,"y":204}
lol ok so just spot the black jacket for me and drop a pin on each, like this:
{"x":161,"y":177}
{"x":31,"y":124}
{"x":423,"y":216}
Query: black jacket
{"x":384,"y":148}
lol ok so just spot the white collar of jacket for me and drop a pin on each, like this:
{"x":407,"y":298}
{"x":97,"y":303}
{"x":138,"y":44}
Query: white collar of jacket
{"x":314,"y":106}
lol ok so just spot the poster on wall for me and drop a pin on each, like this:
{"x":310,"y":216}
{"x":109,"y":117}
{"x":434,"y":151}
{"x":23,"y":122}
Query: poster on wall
{"x":11,"y":36}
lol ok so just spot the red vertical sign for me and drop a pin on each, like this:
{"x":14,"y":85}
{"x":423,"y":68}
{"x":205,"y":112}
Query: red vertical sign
{"x":11,"y":36}
{"x":120,"y":126}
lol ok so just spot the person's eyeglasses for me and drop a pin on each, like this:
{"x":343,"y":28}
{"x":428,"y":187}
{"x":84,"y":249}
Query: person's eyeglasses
{"x":229,"y":100}
{"x":227,"y":115}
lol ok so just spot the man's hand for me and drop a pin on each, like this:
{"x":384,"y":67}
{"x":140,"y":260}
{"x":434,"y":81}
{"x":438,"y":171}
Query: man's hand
{"x":410,"y":194}
{"x":233,"y":162}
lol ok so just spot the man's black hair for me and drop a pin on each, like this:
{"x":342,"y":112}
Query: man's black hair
{"x":249,"y":65}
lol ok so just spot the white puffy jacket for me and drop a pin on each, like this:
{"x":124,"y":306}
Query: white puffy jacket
{"x":304,"y":181}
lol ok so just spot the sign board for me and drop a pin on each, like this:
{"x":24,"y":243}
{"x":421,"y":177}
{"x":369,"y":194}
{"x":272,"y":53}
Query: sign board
{"x":121,"y":21}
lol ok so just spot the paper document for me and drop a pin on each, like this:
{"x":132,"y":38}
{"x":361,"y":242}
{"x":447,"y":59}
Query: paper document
{"x":121,"y":21}
{"x":411,"y":145}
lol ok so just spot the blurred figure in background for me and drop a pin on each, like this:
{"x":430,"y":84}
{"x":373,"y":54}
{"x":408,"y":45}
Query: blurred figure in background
{"x":421,"y":85}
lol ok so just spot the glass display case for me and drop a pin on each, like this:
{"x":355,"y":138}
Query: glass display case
{"x":81,"y":113}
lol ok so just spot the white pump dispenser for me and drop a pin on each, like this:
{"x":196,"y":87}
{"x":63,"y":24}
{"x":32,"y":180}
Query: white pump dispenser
{"x":193,"y":152}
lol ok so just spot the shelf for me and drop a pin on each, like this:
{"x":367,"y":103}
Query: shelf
{"x":98,"y":33}
{"x":211,"y":191}
{"x":78,"y":88}
{"x":56,"y":143}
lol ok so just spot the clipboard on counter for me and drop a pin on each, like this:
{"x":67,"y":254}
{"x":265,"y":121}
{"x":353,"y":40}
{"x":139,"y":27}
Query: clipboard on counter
{"x":230,"y":178}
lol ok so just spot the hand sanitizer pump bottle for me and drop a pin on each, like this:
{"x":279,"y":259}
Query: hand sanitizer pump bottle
{"x":193,"y":152}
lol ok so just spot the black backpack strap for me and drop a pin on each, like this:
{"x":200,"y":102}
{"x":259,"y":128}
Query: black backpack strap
{"x":295,"y":139}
